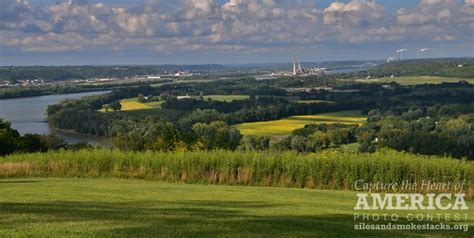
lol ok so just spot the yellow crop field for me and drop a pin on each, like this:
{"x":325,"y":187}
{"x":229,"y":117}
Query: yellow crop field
{"x":131,"y":104}
{"x":287,"y":125}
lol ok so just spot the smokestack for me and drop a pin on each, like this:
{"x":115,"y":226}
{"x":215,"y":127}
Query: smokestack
{"x":294,"y":65}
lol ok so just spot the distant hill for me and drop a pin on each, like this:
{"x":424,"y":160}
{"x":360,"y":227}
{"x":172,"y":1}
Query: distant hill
{"x":330,"y":65}
{"x":448,"y":67}
{"x":377,"y":68}
{"x":59,"y":73}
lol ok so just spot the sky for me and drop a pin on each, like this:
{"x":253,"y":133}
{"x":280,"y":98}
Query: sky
{"x":111,"y":32}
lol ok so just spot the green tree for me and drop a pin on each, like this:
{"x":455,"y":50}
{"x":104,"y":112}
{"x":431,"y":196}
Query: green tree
{"x":299,"y":143}
{"x":201,"y":96}
{"x":8,"y":138}
{"x":320,"y":139}
{"x":217,"y":135}
{"x":163,"y":137}
{"x":141,"y":98}
{"x":116,"y":106}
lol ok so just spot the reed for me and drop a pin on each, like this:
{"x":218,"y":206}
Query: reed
{"x":322,"y":170}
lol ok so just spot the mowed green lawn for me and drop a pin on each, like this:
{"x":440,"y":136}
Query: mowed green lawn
{"x":136,"y":208}
{"x":287,"y":125}
{"x":416,"y":80}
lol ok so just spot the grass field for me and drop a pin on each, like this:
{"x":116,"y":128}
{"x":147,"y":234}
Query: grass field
{"x":287,"y":125}
{"x":42,"y":207}
{"x":226,"y":98}
{"x":416,"y":80}
{"x":314,"y":101}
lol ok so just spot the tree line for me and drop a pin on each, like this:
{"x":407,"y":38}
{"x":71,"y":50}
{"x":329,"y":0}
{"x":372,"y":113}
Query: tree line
{"x":12,"y":142}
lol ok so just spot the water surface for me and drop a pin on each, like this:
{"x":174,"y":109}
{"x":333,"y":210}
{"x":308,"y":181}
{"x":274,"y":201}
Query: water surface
{"x":27,"y":115}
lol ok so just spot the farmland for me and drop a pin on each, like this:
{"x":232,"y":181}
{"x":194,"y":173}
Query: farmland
{"x":416,"y":80}
{"x":313,"y":101}
{"x":287,"y":125}
{"x":131,"y":104}
{"x":226,"y":98}
{"x":112,"y":207}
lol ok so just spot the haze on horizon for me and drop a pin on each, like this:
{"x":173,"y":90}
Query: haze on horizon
{"x":82,"y":32}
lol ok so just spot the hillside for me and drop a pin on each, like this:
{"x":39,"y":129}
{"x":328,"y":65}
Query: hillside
{"x":133,"y":208}
{"x":427,"y":67}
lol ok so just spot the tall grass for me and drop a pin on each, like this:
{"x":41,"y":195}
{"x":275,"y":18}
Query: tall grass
{"x":325,"y":170}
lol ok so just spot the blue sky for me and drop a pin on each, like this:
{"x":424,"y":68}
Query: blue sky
{"x":91,"y":32}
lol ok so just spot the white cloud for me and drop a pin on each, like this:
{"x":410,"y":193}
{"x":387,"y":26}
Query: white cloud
{"x":240,"y":25}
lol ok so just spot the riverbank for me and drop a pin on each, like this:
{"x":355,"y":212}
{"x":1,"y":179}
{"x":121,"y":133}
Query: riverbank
{"x":27,"y":115}
{"x":69,"y":88}
{"x":40,"y":91}
{"x":74,"y":137}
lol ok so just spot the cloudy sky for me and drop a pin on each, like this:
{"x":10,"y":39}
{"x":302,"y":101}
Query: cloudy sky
{"x":78,"y":32}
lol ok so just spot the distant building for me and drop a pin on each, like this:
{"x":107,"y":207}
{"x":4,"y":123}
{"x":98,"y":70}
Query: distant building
{"x":105,"y":79}
{"x":460,"y":65}
{"x":184,"y":97}
{"x":391,"y":59}
{"x":298,"y":69}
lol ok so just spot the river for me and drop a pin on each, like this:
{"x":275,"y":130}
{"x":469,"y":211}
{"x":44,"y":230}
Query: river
{"x":27,"y":115}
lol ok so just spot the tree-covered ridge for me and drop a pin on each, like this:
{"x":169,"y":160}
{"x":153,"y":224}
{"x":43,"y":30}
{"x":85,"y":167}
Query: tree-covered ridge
{"x":452,"y":67}
{"x":60,"y":73}
{"x":447,"y":67}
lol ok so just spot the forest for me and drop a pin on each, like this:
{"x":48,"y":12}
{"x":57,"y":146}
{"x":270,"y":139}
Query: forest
{"x":398,"y":116}
{"x":61,"y":73}
{"x":431,"y":119}
{"x":449,"y":67}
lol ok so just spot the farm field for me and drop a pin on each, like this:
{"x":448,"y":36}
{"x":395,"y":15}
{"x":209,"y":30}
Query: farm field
{"x":287,"y":125}
{"x":314,"y":101}
{"x":416,"y":80}
{"x":124,"y":208}
{"x":226,"y":98}
{"x":131,"y":104}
